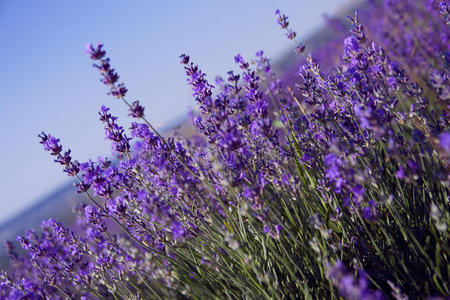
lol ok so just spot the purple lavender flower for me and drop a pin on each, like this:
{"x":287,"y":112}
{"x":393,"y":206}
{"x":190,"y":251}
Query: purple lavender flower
{"x":290,"y":34}
{"x":239,"y":60}
{"x":96,"y":53}
{"x":119,"y":91}
{"x":184,"y":59}
{"x":178,"y":231}
{"x":300,"y":48}
{"x":349,"y":287}
{"x":136,"y":110}
{"x":282,"y":19}
{"x":333,"y":171}
{"x":400,"y":173}
{"x":114,"y":132}
{"x":444,"y":142}
{"x":444,"y":12}
{"x":52,"y":145}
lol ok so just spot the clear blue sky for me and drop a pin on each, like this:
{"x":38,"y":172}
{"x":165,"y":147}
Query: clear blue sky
{"x":48,"y":84}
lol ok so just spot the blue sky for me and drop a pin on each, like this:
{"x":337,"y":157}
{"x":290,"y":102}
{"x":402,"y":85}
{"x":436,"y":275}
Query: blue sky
{"x":47,"y":82}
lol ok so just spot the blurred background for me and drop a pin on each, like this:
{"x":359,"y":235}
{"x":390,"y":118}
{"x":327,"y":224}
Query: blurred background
{"x":47,"y":82}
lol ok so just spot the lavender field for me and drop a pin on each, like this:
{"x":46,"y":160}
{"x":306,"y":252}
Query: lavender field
{"x":325,"y":176}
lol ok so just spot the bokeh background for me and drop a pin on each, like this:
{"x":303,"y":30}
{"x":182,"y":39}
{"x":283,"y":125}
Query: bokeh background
{"x":47,"y":82}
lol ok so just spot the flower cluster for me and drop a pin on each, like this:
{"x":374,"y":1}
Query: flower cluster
{"x":332,"y":183}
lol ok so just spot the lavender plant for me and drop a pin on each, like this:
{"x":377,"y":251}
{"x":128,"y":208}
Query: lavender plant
{"x":330,"y":184}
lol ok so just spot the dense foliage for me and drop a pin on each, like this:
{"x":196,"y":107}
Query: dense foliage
{"x":332,"y":184}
